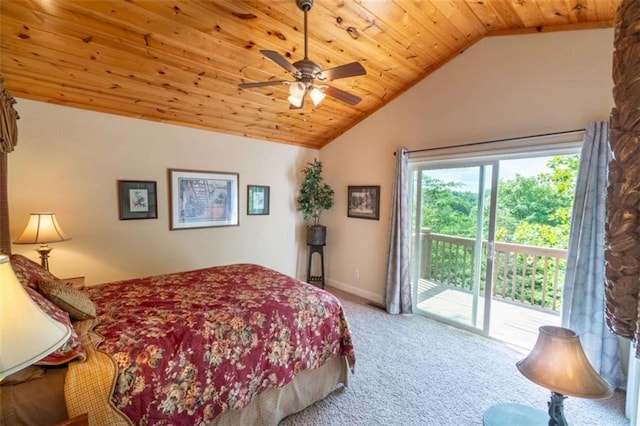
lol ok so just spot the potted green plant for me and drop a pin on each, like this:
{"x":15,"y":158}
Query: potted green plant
{"x":315,"y":197}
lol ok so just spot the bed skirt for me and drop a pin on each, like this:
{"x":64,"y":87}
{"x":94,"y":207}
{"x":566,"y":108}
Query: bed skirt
{"x":273,"y":405}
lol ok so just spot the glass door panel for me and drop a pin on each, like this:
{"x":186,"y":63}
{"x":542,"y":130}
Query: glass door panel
{"x":453,"y":232}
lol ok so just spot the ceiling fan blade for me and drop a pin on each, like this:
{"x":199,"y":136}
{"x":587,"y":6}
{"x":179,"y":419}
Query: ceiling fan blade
{"x":280,"y":60}
{"x":262,"y":84}
{"x":342,"y":95}
{"x":343,"y":71}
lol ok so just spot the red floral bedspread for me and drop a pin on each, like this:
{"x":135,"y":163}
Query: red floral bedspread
{"x":193,"y":344}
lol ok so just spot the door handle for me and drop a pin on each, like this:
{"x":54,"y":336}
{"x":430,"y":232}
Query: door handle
{"x":490,"y":247}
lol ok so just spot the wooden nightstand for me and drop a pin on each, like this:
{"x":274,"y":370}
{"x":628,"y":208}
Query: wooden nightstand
{"x":80,"y":420}
{"x":76,"y":282}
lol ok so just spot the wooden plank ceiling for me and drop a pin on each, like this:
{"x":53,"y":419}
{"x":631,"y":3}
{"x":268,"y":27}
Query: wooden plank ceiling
{"x":180,"y":61}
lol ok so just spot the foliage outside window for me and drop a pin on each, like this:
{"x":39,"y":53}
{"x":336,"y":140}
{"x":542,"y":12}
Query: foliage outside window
{"x":532,"y":211}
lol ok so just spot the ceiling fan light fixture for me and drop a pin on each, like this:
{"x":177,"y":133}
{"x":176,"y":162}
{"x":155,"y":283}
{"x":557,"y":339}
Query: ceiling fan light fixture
{"x":305,"y":72}
{"x":316,"y":95}
{"x":297,"y":89}
{"x":295,"y":101}
{"x":296,"y":93}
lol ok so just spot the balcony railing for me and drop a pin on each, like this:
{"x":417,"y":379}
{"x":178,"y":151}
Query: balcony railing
{"x":521,"y":273}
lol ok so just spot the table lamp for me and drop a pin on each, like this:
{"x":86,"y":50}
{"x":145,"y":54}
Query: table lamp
{"x":42,"y":228}
{"x":27,"y":334}
{"x":558,"y":363}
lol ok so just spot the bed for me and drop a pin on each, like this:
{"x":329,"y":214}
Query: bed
{"x":234,"y":344}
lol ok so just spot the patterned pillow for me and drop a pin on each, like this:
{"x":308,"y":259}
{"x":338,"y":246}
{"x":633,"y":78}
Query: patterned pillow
{"x":28,"y":271}
{"x":74,"y":302}
{"x":72,"y":348}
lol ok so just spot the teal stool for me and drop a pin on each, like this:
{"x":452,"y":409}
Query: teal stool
{"x":510,"y":414}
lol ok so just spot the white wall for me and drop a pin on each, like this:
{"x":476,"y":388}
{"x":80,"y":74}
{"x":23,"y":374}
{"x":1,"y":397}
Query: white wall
{"x":501,"y":87}
{"x":69,"y":160}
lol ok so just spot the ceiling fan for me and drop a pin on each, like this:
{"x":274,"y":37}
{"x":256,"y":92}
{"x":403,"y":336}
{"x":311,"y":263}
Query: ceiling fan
{"x":309,"y":77}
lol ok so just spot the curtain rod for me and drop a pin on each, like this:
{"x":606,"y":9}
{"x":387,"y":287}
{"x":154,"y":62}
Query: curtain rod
{"x":566,"y":132}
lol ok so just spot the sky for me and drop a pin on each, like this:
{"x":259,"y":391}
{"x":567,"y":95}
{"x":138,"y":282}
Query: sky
{"x":468,"y":176}
{"x":523,"y":166}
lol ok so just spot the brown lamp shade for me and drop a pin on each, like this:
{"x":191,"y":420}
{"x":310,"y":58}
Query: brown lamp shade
{"x":558,"y":363}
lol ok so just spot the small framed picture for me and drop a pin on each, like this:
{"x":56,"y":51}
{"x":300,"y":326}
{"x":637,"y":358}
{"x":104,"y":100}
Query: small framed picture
{"x":201,"y":199}
{"x":364,"y":202}
{"x":257,"y":199}
{"x":137,"y":199}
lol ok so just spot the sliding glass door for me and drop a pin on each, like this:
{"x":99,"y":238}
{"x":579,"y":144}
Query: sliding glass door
{"x":453,"y":227}
{"x":489,"y":240}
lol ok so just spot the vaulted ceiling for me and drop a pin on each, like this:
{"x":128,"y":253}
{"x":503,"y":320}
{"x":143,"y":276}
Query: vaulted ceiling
{"x":180,"y":61}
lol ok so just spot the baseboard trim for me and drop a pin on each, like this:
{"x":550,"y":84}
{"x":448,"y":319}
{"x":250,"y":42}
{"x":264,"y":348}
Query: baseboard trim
{"x":376,"y":299}
{"x":378,"y":305}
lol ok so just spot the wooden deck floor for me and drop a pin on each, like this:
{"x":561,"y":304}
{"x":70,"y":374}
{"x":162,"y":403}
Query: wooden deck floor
{"x":514,"y":323}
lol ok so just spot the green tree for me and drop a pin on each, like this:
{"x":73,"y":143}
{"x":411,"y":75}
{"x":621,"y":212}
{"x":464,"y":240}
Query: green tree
{"x":446,"y":209}
{"x":536,"y":210}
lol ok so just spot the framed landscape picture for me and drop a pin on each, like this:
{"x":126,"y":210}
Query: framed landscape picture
{"x":137,"y":199}
{"x":257,"y":200}
{"x":201,"y":199}
{"x":364,"y":202}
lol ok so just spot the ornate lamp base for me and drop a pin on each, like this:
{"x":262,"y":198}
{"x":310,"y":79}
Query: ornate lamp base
{"x":44,"y":255}
{"x":556,"y":410}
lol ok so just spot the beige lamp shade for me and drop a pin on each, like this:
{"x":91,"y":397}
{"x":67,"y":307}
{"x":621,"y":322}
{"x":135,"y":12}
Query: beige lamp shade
{"x":558,"y":363}
{"x":42,"y":228}
{"x":27,"y":334}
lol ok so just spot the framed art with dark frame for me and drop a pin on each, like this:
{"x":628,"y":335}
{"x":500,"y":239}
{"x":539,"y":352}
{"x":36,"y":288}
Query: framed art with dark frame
{"x":257,"y":200}
{"x":137,"y":199}
{"x":364,"y":202}
{"x":202,"y":199}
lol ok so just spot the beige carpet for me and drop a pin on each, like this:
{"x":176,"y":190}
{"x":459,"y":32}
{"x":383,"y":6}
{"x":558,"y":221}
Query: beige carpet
{"x":415,"y":371}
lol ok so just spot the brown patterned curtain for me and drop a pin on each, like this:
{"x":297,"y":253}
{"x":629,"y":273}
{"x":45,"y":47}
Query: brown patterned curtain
{"x":622,"y":249}
{"x":8,"y":141}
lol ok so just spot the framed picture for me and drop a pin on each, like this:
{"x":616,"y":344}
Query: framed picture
{"x":364,"y":202}
{"x":257,"y":199}
{"x":200,"y":199}
{"x":137,"y":199}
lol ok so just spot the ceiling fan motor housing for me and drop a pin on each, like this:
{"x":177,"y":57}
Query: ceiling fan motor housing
{"x":304,"y":5}
{"x":307,"y":69}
